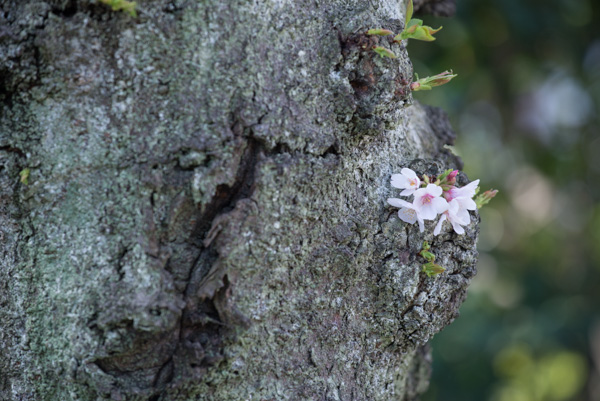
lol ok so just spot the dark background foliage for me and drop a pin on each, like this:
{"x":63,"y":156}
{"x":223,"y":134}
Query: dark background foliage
{"x":525,"y":107}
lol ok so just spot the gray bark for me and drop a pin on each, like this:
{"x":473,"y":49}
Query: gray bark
{"x":205,"y":216}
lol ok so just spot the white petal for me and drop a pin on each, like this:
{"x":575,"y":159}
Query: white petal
{"x":457,"y":227}
{"x":467,"y":191}
{"x":427,"y":212}
{"x":472,"y":185}
{"x":440,"y":204}
{"x":400,"y":181}
{"x":408,"y":173}
{"x":419,"y":193}
{"x":421,"y":224}
{"x":434,"y":189}
{"x":438,"y":226}
{"x":462,"y":217}
{"x":407,"y":192}
{"x":453,"y":206}
{"x":467,"y":203}
{"x":400,"y":203}
{"x":407,"y":215}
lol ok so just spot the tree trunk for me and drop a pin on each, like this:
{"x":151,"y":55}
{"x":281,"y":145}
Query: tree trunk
{"x":205,"y":213}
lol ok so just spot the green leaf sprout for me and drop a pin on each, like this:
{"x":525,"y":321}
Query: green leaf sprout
{"x":431,"y":269}
{"x":122,"y":5}
{"x":414,"y":28}
{"x":429,"y":82}
{"x":383,"y":52}
{"x":24,"y":174}
{"x":379,"y":32}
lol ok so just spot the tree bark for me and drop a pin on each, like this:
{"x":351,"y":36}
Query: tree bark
{"x":205,"y":214}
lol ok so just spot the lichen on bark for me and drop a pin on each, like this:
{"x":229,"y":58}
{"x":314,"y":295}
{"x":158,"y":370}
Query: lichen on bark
{"x":205,"y":217}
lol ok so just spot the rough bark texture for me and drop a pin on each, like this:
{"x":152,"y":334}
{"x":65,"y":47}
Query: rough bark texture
{"x":205,"y":216}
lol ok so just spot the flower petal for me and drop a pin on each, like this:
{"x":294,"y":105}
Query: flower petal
{"x":438,"y":226}
{"x":400,"y":181}
{"x":427,"y":212}
{"x":468,"y":190}
{"x":462,"y":217}
{"x":472,"y":185}
{"x":453,"y":206}
{"x":434,"y":190}
{"x":400,"y":203}
{"x":407,"y":215}
{"x":458,"y":228}
{"x":408,"y":173}
{"x":407,"y":192}
{"x":467,"y":203}
{"x":440,"y":204}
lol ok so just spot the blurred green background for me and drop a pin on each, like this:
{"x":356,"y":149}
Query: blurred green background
{"x":525,"y":108}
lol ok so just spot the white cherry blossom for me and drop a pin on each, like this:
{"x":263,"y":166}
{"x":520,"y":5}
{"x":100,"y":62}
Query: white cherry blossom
{"x":456,"y":215}
{"x":428,"y":201}
{"x":407,"y":213}
{"x":407,"y":180}
{"x":451,"y":202}
{"x":463,"y":195}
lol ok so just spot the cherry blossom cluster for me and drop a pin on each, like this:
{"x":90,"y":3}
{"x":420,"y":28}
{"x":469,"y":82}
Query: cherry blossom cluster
{"x":441,"y":197}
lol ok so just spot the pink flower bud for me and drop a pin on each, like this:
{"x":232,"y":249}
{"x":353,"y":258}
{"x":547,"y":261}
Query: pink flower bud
{"x":484,"y":198}
{"x":489,"y":194}
{"x":451,"y":178}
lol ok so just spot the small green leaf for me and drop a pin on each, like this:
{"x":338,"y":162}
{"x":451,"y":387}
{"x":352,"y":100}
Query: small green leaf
{"x":429,"y":82}
{"x":122,"y":5}
{"x":418,"y":32}
{"x":415,"y":22}
{"x":406,"y":33}
{"x":383,"y":52}
{"x":428,"y":256}
{"x":409,"y":13}
{"x":445,"y":174}
{"x":431,"y":269}
{"x":425,"y":33}
{"x":25,"y":176}
{"x":380,"y":32}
